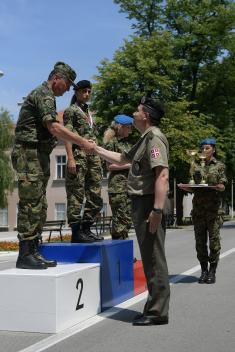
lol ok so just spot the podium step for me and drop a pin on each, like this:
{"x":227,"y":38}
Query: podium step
{"x":50,"y":300}
{"x":116,"y":265}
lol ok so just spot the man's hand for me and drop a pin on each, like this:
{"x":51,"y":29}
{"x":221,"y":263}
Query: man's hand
{"x":88,"y":146}
{"x":71,"y":166}
{"x":154,"y":221}
{"x":220,"y":187}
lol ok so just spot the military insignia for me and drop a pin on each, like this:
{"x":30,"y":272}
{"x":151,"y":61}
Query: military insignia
{"x":155,"y":153}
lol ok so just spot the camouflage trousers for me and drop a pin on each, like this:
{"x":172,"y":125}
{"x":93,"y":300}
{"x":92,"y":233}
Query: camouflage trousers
{"x":84,"y":185}
{"x":120,"y":204}
{"x":33,"y":172}
{"x":207,"y":227}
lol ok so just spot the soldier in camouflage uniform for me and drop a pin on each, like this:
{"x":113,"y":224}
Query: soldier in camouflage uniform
{"x":206,"y":213}
{"x":84,"y":173}
{"x":115,"y":139}
{"x":35,"y":136}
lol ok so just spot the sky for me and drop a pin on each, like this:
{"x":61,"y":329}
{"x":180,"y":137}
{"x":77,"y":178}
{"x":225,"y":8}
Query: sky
{"x":35,"y":34}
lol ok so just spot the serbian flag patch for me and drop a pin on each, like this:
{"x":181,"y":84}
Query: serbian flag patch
{"x":155,"y":153}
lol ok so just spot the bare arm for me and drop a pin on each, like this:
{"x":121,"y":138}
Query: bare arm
{"x":113,"y":166}
{"x":71,"y":164}
{"x":160,"y":191}
{"x":111,"y":157}
{"x":63,"y":133}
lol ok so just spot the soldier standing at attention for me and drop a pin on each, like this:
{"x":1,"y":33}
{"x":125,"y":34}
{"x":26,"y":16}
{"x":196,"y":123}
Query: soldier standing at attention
{"x":116,"y":139}
{"x":206,"y":216}
{"x":84,"y":172}
{"x":35,"y":136}
{"x":147,"y":187}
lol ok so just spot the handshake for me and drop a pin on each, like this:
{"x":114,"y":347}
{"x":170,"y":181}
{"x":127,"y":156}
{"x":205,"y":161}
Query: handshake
{"x":89,"y":146}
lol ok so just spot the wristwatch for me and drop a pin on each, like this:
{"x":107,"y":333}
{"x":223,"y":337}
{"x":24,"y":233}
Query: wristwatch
{"x":157,"y":210}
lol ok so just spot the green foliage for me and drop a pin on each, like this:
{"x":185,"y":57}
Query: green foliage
{"x":141,"y":66}
{"x":6,"y":141}
{"x":147,"y":14}
{"x":183,"y":53}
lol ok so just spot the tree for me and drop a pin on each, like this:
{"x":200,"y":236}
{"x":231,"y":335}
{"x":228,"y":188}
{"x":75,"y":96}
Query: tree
{"x":183,"y":53}
{"x":146,"y":13}
{"x":6,"y":141}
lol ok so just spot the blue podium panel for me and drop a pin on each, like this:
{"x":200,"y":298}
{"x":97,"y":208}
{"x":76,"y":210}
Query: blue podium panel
{"x":116,"y":262}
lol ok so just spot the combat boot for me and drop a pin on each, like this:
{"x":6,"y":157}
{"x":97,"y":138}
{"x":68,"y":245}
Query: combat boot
{"x":204,"y":273}
{"x":79,"y":236}
{"x":86,"y":229}
{"x":211,"y":275}
{"x":26,"y":258}
{"x":38,"y":255}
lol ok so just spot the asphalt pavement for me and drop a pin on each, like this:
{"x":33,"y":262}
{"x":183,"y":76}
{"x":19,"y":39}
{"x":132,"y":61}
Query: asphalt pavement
{"x":201,"y":316}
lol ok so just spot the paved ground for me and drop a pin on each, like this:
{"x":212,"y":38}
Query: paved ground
{"x":201,"y":316}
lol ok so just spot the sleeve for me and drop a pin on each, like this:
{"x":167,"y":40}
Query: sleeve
{"x":68,"y":119}
{"x":129,"y":155}
{"x":47,"y":109}
{"x":156,"y":152}
{"x":222,"y":175}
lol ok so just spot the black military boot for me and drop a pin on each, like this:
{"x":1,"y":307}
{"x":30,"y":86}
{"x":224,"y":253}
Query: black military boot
{"x":86,"y":229}
{"x":79,"y":236}
{"x":26,"y":258}
{"x":203,"y":278}
{"x":211,"y":275}
{"x":38,"y":255}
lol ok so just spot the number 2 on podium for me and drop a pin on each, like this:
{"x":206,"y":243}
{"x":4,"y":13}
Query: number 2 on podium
{"x":79,"y":283}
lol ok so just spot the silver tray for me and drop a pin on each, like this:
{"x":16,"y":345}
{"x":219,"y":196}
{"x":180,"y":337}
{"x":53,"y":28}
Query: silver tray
{"x":200,"y":185}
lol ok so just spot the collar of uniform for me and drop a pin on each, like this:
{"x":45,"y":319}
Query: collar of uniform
{"x":45,"y":84}
{"x":148,"y":130}
{"x":213,"y":160}
{"x":84,"y":106}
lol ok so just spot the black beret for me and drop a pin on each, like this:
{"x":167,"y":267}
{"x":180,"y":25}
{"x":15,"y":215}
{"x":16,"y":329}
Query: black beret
{"x":83,"y":84}
{"x":155,"y":106}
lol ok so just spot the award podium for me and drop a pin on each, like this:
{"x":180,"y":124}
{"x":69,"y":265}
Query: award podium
{"x":89,"y":278}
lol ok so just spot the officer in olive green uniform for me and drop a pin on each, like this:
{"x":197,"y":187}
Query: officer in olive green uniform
{"x":116,"y":139}
{"x":148,"y":186}
{"x":84,"y":172}
{"x":206,"y":212}
{"x":35,"y":137}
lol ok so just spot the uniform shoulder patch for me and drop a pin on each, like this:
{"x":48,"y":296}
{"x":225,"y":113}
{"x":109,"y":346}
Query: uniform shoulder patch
{"x":155,"y":152}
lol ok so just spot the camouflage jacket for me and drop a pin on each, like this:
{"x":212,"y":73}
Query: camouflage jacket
{"x":38,"y":108}
{"x":214,"y":173}
{"x":77,"y":120}
{"x":117,"y":181}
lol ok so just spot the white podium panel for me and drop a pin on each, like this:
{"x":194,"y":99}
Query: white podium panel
{"x":50,"y":300}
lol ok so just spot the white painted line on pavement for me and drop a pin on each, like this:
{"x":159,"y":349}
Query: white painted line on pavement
{"x":54,"y":339}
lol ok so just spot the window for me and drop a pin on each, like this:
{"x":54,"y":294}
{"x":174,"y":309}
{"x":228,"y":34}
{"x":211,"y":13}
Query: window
{"x":60,"y":211}
{"x":60,"y":166}
{"x":4,"y":217}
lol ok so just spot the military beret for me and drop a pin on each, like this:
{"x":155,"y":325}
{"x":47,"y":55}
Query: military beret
{"x":83,"y":84}
{"x":211,"y":141}
{"x":65,"y":70}
{"x":123,"y":119}
{"x":154,"y":105}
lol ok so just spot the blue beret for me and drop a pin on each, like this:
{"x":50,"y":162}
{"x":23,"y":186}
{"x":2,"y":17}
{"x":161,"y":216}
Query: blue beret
{"x":123,"y":119}
{"x":211,"y":141}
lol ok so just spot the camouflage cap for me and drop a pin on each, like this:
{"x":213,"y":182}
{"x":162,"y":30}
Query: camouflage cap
{"x":66,"y":70}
